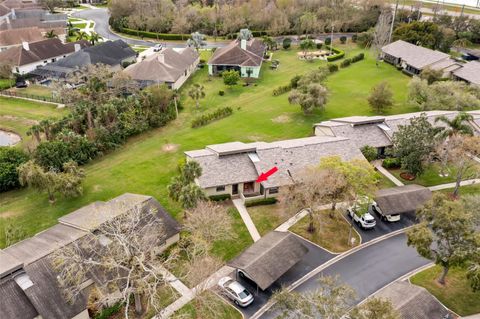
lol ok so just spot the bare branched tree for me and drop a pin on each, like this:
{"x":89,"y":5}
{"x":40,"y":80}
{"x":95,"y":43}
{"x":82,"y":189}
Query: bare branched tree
{"x":381,"y":34}
{"x":121,"y":256}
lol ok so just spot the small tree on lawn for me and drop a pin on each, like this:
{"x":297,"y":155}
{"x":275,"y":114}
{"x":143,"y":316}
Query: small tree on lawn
{"x":309,"y":97}
{"x":445,"y":233}
{"x":196,"y":93}
{"x":183,"y":189}
{"x":307,"y":45}
{"x":269,"y":42}
{"x":196,"y":41}
{"x":431,"y":75}
{"x":381,"y":97}
{"x":287,"y":42}
{"x":231,"y":77}
{"x":343,"y":39}
{"x":413,"y":144}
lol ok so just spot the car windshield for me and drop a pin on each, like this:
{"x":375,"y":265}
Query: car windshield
{"x":243,"y":294}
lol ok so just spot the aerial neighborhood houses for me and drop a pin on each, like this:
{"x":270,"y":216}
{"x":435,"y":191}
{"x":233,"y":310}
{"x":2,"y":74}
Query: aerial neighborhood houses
{"x":170,"y":66}
{"x":244,"y":56}
{"x":233,"y":168}
{"x":413,"y":59}
{"x":28,"y":281}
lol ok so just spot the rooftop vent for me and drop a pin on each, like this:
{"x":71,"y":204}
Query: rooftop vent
{"x":23,"y":280}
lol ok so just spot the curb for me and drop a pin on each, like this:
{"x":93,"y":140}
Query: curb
{"x":332,"y":261}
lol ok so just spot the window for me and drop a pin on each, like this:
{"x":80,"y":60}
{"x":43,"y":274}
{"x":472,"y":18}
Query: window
{"x":46,"y":61}
{"x":220,"y":188}
{"x":273,"y":190}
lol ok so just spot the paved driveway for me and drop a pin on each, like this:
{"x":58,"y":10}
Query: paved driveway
{"x":371,"y":268}
{"x":314,"y":258}
{"x":383,"y":227}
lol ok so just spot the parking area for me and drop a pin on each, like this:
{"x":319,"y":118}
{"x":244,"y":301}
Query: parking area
{"x":314,"y":258}
{"x":383,"y":227}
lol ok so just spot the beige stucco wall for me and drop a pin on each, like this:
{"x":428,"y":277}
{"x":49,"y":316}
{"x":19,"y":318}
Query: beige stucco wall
{"x":228,"y":189}
{"x":178,"y":84}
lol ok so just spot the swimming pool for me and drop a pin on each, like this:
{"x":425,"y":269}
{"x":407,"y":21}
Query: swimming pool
{"x":9,"y":138}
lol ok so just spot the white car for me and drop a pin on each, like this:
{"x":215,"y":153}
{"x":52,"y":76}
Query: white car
{"x":365,"y":220}
{"x":391,"y":218}
{"x":235,"y":291}
{"x":158,"y":47}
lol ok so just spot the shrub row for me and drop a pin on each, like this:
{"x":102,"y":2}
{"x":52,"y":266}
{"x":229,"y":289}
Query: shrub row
{"x":263,"y":201}
{"x":210,"y":117}
{"x":282,"y":89}
{"x":391,"y":162}
{"x":155,"y":35}
{"x":332,"y":67}
{"x":356,"y":58}
{"x":219,"y":198}
{"x":338,"y":54}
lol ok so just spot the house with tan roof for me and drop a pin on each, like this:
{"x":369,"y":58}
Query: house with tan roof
{"x":170,"y":66}
{"x":29,"y":56}
{"x":470,"y":72}
{"x":15,"y":37}
{"x":244,"y":56}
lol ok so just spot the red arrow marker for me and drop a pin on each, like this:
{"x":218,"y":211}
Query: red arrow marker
{"x":264,"y":176}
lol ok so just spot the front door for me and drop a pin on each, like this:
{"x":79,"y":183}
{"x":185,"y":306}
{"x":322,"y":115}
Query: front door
{"x":234,"y":189}
{"x":248,"y":187}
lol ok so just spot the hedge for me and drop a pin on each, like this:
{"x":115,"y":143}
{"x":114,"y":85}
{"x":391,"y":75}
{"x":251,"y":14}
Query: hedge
{"x":155,"y":35}
{"x":259,"y":202}
{"x":345,"y":63}
{"x":391,"y":162}
{"x":219,"y":198}
{"x":282,"y":89}
{"x":358,"y":57}
{"x":332,"y":67}
{"x":210,"y":117}
{"x":338,"y":54}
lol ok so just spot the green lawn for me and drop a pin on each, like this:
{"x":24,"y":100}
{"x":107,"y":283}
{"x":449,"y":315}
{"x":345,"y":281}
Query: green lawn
{"x":431,"y":177}
{"x":34,"y":89}
{"x":142,"y":166}
{"x":18,"y":115}
{"x":456,"y":294}
{"x":6,"y":83}
{"x":268,"y":217}
{"x":218,"y":309}
{"x":465,"y":190}
{"x":79,"y":25}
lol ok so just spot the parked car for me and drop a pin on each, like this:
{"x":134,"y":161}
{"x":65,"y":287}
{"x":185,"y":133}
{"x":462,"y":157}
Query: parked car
{"x":21,"y":83}
{"x":235,"y":291}
{"x":363,"y":218}
{"x":158,"y":47}
{"x":391,"y":218}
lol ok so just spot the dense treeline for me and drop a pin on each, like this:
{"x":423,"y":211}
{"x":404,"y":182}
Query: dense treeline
{"x":223,"y":17}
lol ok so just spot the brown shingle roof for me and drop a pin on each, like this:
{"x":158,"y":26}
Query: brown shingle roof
{"x":233,"y":54}
{"x":17,"y":36}
{"x":469,"y":72}
{"x":270,"y":257}
{"x":402,"y":199}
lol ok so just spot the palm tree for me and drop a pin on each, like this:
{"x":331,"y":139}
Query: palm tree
{"x":81,"y":35}
{"x":94,"y":38}
{"x":457,"y":125}
{"x":51,"y":34}
{"x":196,"y":92}
{"x":35,"y":131}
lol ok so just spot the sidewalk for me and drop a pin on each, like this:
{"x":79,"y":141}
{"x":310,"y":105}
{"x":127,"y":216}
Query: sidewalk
{"x":383,"y":171}
{"x":240,"y":206}
{"x":452,"y":185}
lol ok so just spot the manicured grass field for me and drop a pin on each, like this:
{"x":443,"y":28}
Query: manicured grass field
{"x":268,"y":217}
{"x":144,"y":166}
{"x":196,"y":310}
{"x":330,"y":233}
{"x":456,"y":294}
{"x":18,"y":115}
{"x":36,"y":90}
{"x":6,"y":83}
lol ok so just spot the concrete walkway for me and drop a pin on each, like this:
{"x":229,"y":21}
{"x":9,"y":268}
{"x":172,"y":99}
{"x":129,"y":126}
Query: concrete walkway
{"x":240,"y":206}
{"x":304,"y":212}
{"x":387,"y":174}
{"x":452,"y":185}
{"x":175,"y":282}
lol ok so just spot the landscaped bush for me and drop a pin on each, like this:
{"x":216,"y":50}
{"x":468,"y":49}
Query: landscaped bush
{"x":221,"y":93}
{"x":358,"y":57}
{"x":259,"y":202}
{"x":155,"y":35}
{"x":354,"y":38}
{"x":319,"y":45}
{"x":332,"y":67}
{"x":369,"y":152}
{"x":287,"y":42}
{"x":282,"y":89}
{"x":210,"y":117}
{"x":338,"y":54}
{"x":259,"y":33}
{"x":328,"y":41}
{"x":343,"y":39}
{"x":294,"y":81}
{"x":10,"y":159}
{"x":219,"y":198}
{"x":345,"y":63}
{"x":391,"y":162}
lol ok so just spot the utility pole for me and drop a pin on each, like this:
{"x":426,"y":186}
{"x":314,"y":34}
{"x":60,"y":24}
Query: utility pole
{"x":331,"y":41}
{"x":393,"y":22}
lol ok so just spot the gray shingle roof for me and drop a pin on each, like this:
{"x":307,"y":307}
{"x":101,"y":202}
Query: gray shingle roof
{"x":14,"y":303}
{"x":469,"y":72}
{"x":414,"y":55}
{"x":270,"y":257}
{"x":413,"y":302}
{"x":290,"y":157}
{"x":8,"y":264}
{"x":402,"y":199}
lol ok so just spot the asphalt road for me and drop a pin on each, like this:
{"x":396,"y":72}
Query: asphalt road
{"x":314,"y":258}
{"x":371,"y":268}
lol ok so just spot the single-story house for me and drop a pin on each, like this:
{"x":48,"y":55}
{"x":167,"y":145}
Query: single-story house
{"x":402,"y":199}
{"x":414,"y":302}
{"x":29,"y":56}
{"x":412,"y":58}
{"x":15,"y":37}
{"x":269,"y":258}
{"x":470,"y":54}
{"x":233,"y":168}
{"x":470,"y":72}
{"x":377,"y":131}
{"x":170,"y":66}
{"x":28,"y":281}
{"x":110,"y":53}
{"x":244,"y":56}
